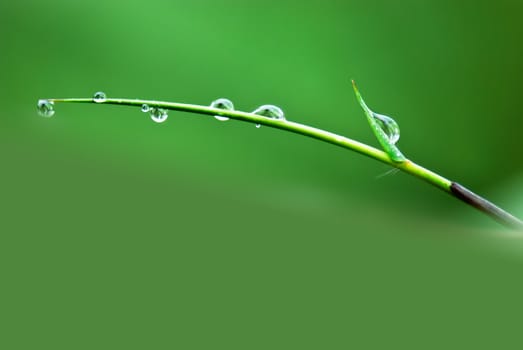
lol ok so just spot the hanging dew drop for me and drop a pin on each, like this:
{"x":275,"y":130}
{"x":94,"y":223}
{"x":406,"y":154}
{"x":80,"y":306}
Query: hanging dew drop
{"x":99,"y":97}
{"x":158,"y":115}
{"x":222,"y":103}
{"x":389,"y":127}
{"x":258,"y":126}
{"x":45,"y":108}
{"x":145,"y":108}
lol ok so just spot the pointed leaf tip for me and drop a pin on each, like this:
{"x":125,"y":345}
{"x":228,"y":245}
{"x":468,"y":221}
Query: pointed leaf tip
{"x":359,"y":97}
{"x":354,"y":85}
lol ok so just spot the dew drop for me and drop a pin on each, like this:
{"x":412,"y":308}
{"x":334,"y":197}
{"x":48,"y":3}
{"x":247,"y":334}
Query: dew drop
{"x":270,"y":111}
{"x":158,"y":115}
{"x":45,"y":108}
{"x":389,"y":126}
{"x":145,"y":108}
{"x":258,"y":126}
{"x":222,"y":103}
{"x":99,"y":97}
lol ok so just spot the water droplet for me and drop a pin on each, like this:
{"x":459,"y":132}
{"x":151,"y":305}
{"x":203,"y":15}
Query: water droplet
{"x":99,"y":97}
{"x":222,"y":103}
{"x":389,"y":126}
{"x":145,"y":108}
{"x":270,"y":111}
{"x":258,"y":126}
{"x":158,"y":115}
{"x":45,"y":108}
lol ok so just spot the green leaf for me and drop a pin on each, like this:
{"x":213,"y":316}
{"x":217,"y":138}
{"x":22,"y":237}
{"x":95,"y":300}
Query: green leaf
{"x":385,"y":128}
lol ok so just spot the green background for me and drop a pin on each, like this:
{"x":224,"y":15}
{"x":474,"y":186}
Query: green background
{"x":117,"y":232}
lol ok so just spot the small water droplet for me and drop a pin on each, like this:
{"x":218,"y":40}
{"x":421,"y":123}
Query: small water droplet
{"x":222,"y":103}
{"x":99,"y":97}
{"x":145,"y":108}
{"x":258,"y":126}
{"x":45,"y":108}
{"x":389,"y":126}
{"x":158,"y":115}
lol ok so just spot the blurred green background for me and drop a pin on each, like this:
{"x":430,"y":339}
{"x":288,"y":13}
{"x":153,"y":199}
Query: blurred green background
{"x":118,"y":232}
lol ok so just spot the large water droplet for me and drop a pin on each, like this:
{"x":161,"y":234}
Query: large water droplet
{"x":222,"y":103}
{"x":158,"y":115}
{"x":99,"y":97}
{"x":145,"y":108}
{"x":389,"y":126}
{"x":45,"y":108}
{"x":269,"y":111}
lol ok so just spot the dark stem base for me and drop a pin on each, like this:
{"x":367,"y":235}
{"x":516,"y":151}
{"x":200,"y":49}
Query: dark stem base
{"x":485,"y":206}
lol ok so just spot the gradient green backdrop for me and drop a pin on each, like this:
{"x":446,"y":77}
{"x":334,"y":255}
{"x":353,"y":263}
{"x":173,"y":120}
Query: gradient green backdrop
{"x":118,"y":233}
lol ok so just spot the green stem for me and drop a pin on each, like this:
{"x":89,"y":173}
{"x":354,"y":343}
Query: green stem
{"x":406,"y":166}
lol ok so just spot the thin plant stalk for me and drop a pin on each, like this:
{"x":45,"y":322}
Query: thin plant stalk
{"x":453,"y":188}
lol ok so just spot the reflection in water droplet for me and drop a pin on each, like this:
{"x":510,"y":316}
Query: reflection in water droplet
{"x":145,"y":108}
{"x":389,"y":126}
{"x":158,"y":115}
{"x":45,"y":108}
{"x":99,"y":97}
{"x":222,"y":103}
